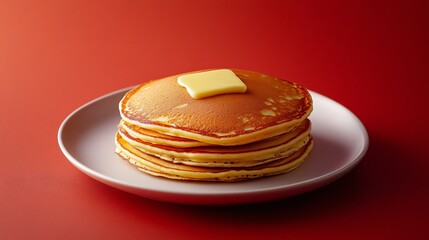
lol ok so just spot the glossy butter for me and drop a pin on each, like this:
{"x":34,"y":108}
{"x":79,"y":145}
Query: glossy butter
{"x":211,"y":83}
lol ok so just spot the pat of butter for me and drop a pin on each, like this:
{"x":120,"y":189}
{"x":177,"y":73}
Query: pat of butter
{"x":211,"y":83}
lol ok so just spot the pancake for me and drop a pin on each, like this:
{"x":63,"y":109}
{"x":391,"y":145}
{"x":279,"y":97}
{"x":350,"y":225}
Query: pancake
{"x":158,"y":138}
{"x":229,"y":137}
{"x":232,"y":156}
{"x":157,"y":167}
{"x":270,"y":107}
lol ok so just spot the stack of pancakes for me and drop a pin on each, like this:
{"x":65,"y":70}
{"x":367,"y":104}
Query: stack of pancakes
{"x":229,"y":137}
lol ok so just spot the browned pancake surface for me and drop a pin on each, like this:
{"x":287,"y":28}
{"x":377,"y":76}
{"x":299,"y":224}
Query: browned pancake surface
{"x":268,"y":101}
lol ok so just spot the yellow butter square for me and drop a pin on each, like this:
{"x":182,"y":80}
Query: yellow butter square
{"x":211,"y":83}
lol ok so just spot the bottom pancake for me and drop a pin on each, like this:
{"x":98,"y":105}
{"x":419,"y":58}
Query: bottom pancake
{"x":158,"y":167}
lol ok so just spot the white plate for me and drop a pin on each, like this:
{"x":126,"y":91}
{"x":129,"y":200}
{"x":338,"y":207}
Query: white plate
{"x":86,"y":138}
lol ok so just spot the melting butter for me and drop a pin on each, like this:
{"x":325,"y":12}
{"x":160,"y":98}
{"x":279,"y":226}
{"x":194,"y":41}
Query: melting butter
{"x":211,"y":83}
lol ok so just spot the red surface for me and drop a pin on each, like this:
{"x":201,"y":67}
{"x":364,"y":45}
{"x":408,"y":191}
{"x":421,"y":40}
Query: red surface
{"x":371,"y":56}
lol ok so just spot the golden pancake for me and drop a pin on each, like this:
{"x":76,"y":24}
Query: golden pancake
{"x":158,"y":167}
{"x":232,"y":156}
{"x":147,"y":135}
{"x":270,"y":107}
{"x":261,"y":131}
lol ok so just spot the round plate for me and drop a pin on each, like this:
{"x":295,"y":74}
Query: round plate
{"x":86,"y":137}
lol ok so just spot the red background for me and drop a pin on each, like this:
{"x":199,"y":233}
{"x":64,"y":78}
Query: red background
{"x":371,"y":56}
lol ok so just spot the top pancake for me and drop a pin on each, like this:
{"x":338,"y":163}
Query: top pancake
{"x":269,"y":107}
